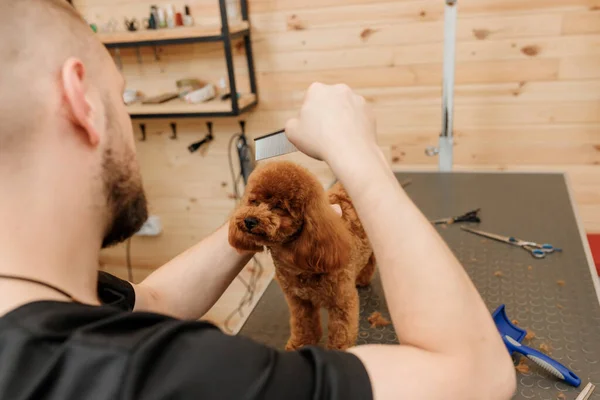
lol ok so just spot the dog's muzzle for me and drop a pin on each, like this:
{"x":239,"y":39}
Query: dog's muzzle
{"x":250,"y":223}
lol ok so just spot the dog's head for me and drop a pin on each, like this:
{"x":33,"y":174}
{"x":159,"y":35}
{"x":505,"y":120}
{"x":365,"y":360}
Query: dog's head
{"x":285,"y":206}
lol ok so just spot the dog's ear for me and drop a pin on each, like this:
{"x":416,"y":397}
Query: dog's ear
{"x":324,"y":244}
{"x":239,"y":241}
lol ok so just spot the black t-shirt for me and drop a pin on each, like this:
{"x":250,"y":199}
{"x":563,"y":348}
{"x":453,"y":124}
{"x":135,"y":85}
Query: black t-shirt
{"x":63,"y":351}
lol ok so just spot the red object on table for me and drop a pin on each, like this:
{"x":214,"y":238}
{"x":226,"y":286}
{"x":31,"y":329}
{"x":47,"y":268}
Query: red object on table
{"x":594,"y":240}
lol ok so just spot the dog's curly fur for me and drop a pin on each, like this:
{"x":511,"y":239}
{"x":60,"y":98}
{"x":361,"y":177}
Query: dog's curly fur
{"x":319,"y":256}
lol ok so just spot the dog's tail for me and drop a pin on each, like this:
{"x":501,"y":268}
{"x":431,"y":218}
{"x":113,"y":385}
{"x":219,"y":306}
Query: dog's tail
{"x":337,"y":195}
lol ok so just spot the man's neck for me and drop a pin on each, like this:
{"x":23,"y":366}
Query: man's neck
{"x":48,"y":233}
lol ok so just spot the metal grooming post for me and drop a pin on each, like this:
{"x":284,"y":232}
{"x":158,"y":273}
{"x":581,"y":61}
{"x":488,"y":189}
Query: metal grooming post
{"x":444,"y":150}
{"x":227,"y":44}
{"x":447,"y":136}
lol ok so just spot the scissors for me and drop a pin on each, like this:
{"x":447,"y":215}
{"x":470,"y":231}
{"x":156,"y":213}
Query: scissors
{"x":537,"y":250}
{"x":471,"y":216}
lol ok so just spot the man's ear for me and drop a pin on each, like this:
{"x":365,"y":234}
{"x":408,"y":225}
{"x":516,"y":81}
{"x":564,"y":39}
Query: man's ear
{"x":80,"y":108}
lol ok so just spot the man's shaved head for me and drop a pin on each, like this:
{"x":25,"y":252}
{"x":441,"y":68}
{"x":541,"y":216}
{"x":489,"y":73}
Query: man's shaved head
{"x":61,"y":94}
{"x":38,"y":36}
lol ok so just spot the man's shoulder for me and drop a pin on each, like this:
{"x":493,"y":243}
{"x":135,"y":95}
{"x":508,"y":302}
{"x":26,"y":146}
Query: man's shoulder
{"x":94,"y":325}
{"x":75,"y":349}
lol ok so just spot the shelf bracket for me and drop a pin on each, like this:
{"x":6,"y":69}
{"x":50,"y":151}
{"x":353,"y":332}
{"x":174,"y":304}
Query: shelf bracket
{"x":143,"y":129}
{"x":174,"y":130}
{"x":118,"y":58}
{"x":139,"y":55}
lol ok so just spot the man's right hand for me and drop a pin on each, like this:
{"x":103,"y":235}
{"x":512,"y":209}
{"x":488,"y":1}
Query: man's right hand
{"x":333,"y":120}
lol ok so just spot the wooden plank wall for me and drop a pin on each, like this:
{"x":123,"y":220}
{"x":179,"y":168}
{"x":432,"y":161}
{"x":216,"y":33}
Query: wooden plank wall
{"x":527,"y":95}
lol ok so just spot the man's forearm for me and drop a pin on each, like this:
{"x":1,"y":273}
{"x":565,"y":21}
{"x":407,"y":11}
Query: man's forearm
{"x":433,"y":304}
{"x":190,"y":284}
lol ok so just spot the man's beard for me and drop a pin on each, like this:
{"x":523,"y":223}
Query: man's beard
{"x":126,"y":201}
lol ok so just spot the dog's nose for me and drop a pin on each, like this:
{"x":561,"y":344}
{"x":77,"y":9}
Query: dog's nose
{"x":250,"y":223}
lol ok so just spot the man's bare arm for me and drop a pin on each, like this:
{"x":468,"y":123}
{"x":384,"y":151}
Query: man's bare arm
{"x":190,"y":284}
{"x":450,"y":347}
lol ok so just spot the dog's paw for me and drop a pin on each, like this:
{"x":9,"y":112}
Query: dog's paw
{"x":338,"y":346}
{"x":361,"y":283}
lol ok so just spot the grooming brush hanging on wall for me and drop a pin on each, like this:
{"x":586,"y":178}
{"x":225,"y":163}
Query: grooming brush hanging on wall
{"x":207,"y":139}
{"x":245,"y":154}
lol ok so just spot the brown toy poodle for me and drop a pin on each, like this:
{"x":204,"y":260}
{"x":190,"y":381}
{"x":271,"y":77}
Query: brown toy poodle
{"x":319,"y":256}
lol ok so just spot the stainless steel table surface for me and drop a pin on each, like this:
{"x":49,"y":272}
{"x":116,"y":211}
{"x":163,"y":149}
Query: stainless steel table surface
{"x":533,"y":207}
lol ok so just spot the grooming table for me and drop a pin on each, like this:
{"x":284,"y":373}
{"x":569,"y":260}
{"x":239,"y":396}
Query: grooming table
{"x":534,"y":207}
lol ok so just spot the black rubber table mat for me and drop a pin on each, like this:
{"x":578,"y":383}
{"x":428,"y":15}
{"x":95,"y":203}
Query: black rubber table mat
{"x":553,"y":297}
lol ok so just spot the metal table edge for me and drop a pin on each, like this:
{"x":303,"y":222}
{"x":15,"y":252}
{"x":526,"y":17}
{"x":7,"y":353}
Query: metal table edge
{"x":584,"y":241}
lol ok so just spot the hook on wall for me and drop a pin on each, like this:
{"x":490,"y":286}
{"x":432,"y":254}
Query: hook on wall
{"x":173,"y":130}
{"x":207,"y":139}
{"x":156,"y":55}
{"x":143,"y":129}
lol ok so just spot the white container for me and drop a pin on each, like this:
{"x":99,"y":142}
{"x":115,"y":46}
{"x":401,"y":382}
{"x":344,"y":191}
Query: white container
{"x":233,"y":10}
{"x":170,"y":16}
{"x":162,"y":18}
{"x":188,"y":20}
{"x":130,"y":96}
{"x":208,"y":92}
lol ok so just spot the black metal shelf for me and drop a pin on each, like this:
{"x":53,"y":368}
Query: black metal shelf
{"x":225,"y":34}
{"x":181,"y":36}
{"x":137,"y":112}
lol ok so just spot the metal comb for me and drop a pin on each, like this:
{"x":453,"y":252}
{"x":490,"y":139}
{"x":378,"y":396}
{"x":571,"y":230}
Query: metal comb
{"x":272,"y":145}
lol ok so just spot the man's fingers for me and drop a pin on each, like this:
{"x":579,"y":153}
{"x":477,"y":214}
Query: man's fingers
{"x":337,"y":208}
{"x":360,"y":100}
{"x":291,"y":127}
{"x":342,"y":88}
{"x":313,"y":91}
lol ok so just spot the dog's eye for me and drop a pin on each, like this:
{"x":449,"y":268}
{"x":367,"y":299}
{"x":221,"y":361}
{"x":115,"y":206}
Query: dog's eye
{"x":254,"y":202}
{"x":278,"y":208}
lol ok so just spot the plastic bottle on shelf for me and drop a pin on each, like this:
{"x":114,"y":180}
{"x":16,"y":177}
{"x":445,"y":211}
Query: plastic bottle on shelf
{"x":188,"y":20}
{"x":170,"y":16}
{"x":162,"y":18}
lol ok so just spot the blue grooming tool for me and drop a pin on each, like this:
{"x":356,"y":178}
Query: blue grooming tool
{"x":513,"y":336}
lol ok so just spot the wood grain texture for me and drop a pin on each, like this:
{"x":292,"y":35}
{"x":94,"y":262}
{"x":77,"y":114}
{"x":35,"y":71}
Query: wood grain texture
{"x":527,"y":94}
{"x":581,"y":22}
{"x":363,"y":34}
